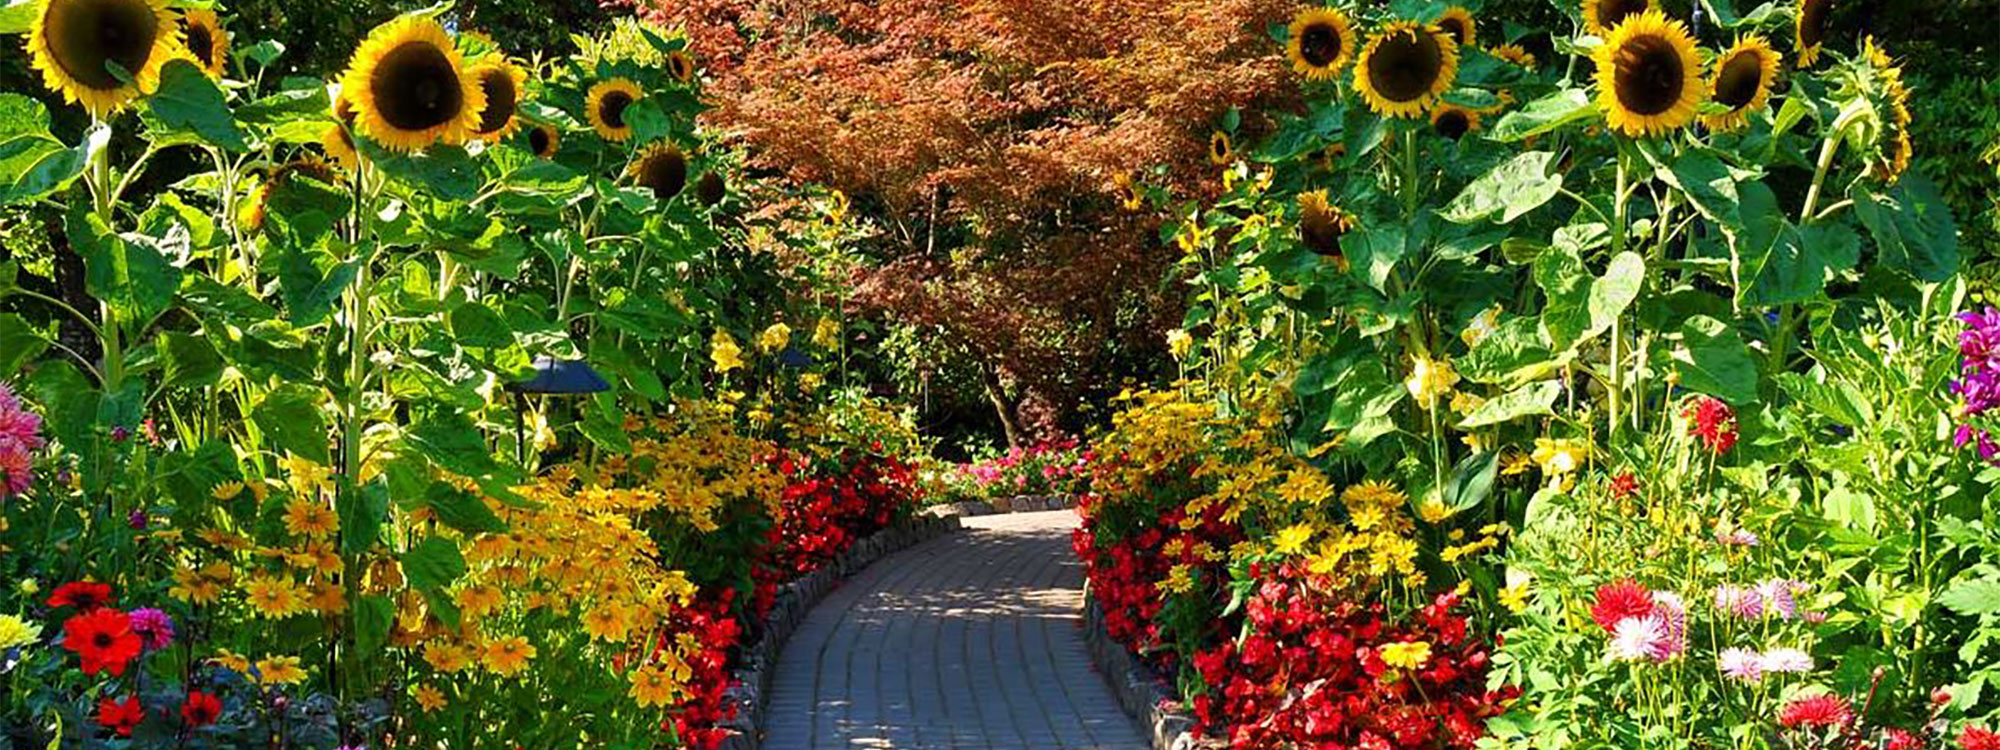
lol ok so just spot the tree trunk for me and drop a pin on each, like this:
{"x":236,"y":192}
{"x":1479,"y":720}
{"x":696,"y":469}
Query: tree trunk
{"x":995,"y":392}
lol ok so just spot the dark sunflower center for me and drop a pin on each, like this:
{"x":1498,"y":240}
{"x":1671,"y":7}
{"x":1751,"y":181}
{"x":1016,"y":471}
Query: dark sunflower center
{"x":1812,"y":21}
{"x":1319,"y":44}
{"x":500,"y":97}
{"x":1455,"y":27}
{"x":83,"y":35}
{"x":1741,"y":76}
{"x":538,"y":139}
{"x":665,"y":173}
{"x":416,"y":88}
{"x":1406,"y":66}
{"x":680,"y":66}
{"x":710,"y":189}
{"x":1611,"y":12}
{"x":1649,"y":75}
{"x":202,"y":44}
{"x":1453,"y":124}
{"x":1219,"y":146}
{"x":1321,"y":230}
{"x":611,"y":108}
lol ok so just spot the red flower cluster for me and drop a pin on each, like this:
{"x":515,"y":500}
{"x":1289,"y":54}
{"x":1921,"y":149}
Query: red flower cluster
{"x":1124,"y":552}
{"x":200,"y":709}
{"x":1310,"y":674}
{"x":1974,"y":738}
{"x":1713,"y":422}
{"x":697,"y":719}
{"x":120,"y":716}
{"x":824,"y":515}
{"x":1618,"y":601}
{"x":1623,"y":486}
{"x":83,"y":596}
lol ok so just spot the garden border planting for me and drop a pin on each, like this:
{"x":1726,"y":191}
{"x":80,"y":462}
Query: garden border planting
{"x":1000,"y":505}
{"x":1140,"y":691}
{"x":795,"y":600}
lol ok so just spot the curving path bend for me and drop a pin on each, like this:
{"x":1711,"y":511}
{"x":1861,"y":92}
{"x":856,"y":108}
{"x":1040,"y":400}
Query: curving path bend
{"x":972,"y":641}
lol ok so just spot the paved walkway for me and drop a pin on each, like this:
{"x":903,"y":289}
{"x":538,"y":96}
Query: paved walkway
{"x":968,"y":642}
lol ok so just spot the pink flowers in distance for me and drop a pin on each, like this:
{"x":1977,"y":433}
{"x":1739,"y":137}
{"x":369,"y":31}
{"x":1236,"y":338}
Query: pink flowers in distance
{"x":1979,"y":377}
{"x":1745,"y":665}
{"x":1774,"y":597}
{"x":20,"y":437}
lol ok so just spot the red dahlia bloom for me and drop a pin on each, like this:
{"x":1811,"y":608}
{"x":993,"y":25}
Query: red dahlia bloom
{"x":1816,"y":711}
{"x":1974,"y":738}
{"x":200,"y":709}
{"x":104,"y":638}
{"x":1623,"y":486}
{"x":1617,"y":601}
{"x":1714,"y":422}
{"x":120,"y":716}
{"x":83,"y":595}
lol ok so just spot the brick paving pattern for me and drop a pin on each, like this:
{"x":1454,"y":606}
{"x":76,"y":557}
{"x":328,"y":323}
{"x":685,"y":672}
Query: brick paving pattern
{"x":968,"y":642}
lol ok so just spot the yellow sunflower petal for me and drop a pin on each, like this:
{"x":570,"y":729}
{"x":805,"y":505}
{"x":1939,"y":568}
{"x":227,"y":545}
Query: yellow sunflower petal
{"x":1405,"y":68}
{"x":605,"y":104}
{"x":71,"y":41}
{"x":1648,"y":76}
{"x":1742,"y":82}
{"x":409,"y":88}
{"x":1319,"y":43}
{"x":207,"y":41}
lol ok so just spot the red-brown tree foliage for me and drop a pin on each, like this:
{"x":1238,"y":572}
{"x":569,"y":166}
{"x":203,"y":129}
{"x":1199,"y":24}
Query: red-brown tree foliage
{"x":984,"y":135}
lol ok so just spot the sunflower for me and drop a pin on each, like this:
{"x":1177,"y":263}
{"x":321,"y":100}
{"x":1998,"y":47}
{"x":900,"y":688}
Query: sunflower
{"x":1515,"y":54}
{"x":206,"y":41}
{"x":661,"y":167}
{"x":1648,"y":76}
{"x":339,"y":146}
{"x":1893,"y":149}
{"x":1126,"y":191}
{"x":544,"y":139}
{"x":503,"y":82}
{"x":711,"y":188}
{"x":1320,"y":42}
{"x":1219,"y":149}
{"x":1453,"y":121}
{"x":606,"y":103}
{"x":680,"y":65}
{"x":71,"y":41}
{"x":1404,"y":69}
{"x":1600,"y":16}
{"x":1322,"y":224}
{"x":1809,"y":30}
{"x":409,"y":89}
{"x":1457,"y":22}
{"x":1742,"y":82}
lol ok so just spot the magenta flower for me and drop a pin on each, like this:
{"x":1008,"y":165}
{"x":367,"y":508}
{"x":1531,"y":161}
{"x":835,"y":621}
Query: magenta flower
{"x":1779,"y":597}
{"x":20,"y":437}
{"x":155,"y":627}
{"x":1741,"y":602}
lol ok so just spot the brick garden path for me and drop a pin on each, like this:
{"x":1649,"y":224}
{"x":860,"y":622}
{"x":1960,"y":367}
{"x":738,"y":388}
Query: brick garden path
{"x":972,"y":641}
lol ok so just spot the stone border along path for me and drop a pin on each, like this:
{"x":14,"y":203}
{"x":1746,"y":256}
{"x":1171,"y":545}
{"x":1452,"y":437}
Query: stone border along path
{"x":973,"y":641}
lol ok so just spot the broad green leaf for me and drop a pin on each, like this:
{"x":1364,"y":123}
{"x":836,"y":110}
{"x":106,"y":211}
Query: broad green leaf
{"x":188,"y":100}
{"x":445,"y":171}
{"x":288,"y":106}
{"x":187,"y":360}
{"x":1707,"y":183}
{"x":1973,"y":597}
{"x":1776,"y":262}
{"x":22,"y":116}
{"x":1471,"y":481}
{"x":131,"y":276}
{"x":450,"y":439}
{"x":1514,"y":354}
{"x":1528,"y":400}
{"x":33,"y":167}
{"x":1837,"y":401}
{"x":290,"y":416}
{"x":372,"y":617}
{"x":264,"y":52}
{"x":1511,"y":190}
{"x":18,"y":17}
{"x":20,"y":344}
{"x":1713,"y":360}
{"x":462,"y":510}
{"x":1543,"y":115}
{"x":476,"y":325}
{"x":364,"y":512}
{"x":1846,"y":507}
{"x":1580,"y":307}
{"x":1913,"y":228}
{"x":433,"y":564}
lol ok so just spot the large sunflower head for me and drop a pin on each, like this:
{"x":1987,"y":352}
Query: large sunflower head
{"x":409,"y":86}
{"x":1742,"y":82}
{"x":1322,"y":224}
{"x":71,"y":42}
{"x":606,"y":104}
{"x":1457,"y":22}
{"x":680,"y":65}
{"x":1453,"y":121}
{"x":544,"y":139}
{"x":1648,"y":75}
{"x":1220,"y":151}
{"x":661,"y":167}
{"x":1600,"y":16}
{"x":1404,"y":69}
{"x":711,"y":188}
{"x":504,"y":83}
{"x":206,"y":41}
{"x":1809,"y":30}
{"x":1319,"y":43}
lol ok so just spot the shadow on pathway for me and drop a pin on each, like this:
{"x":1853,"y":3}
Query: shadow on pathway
{"x":968,"y":642}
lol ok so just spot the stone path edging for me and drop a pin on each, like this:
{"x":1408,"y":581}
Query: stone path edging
{"x":1145,"y":695}
{"x":753,"y":680}
{"x":1021,"y":504}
